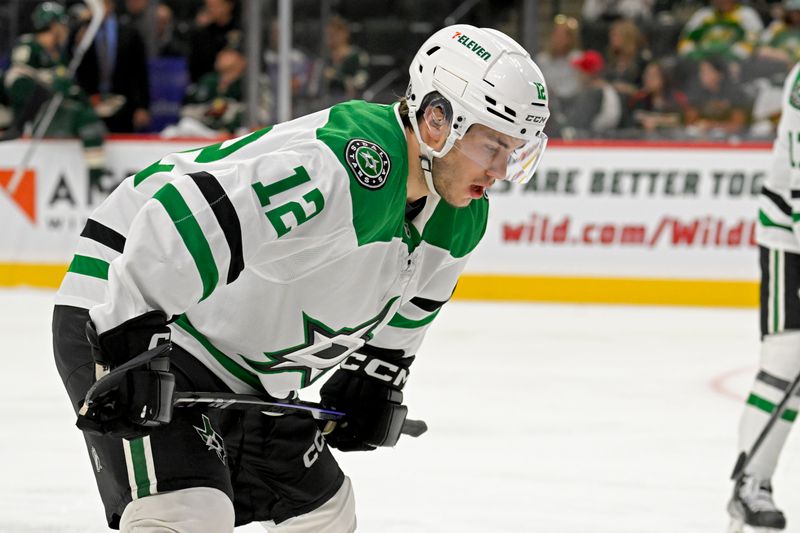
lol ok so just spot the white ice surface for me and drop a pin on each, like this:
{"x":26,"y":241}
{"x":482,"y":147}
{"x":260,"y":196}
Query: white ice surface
{"x":543,"y":418}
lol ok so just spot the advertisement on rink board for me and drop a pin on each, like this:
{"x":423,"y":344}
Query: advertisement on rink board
{"x":659,"y":211}
{"x":593,"y":210}
{"x":46,"y":212}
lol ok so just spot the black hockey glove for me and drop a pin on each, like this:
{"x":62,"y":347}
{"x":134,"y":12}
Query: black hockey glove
{"x":134,"y":388}
{"x":368,"y":390}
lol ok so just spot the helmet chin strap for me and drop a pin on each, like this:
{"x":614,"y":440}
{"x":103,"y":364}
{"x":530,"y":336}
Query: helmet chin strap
{"x":427,"y":170}
{"x":426,"y":156}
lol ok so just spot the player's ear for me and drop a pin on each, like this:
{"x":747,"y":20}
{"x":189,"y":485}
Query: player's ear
{"x":436,"y":121}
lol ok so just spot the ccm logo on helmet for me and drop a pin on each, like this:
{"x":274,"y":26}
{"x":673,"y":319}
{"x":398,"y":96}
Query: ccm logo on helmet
{"x":479,"y":50}
{"x":377,"y":369}
{"x":535,"y":119}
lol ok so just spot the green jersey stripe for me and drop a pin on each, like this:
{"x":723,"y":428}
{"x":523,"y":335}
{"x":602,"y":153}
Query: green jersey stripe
{"x":140,"y":467}
{"x":767,"y":222}
{"x":192,"y":236}
{"x":229,"y":364}
{"x":89,"y":266}
{"x":149,"y":171}
{"x":399,"y":321}
{"x":767,"y":406}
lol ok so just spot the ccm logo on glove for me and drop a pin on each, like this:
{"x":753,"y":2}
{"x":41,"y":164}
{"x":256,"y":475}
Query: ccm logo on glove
{"x":377,"y":369}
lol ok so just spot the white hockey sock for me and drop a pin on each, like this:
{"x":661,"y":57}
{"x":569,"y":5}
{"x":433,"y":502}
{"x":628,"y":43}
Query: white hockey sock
{"x":780,"y":364}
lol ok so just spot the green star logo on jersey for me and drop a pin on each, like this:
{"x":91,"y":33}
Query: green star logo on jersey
{"x":211,"y":438}
{"x":369,"y":162}
{"x":322,"y":349}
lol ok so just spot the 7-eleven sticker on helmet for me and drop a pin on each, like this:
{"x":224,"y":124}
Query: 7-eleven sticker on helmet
{"x":22,"y":192}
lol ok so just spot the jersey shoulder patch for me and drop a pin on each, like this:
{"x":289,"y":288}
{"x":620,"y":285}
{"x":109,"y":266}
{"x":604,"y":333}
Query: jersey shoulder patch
{"x":370,"y":144}
{"x":369,"y":162}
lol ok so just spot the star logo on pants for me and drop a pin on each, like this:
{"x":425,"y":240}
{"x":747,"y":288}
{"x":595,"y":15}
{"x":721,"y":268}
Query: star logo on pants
{"x":211,"y":438}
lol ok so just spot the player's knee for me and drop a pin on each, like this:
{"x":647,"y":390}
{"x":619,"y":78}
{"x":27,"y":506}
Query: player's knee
{"x":337,"y":515}
{"x":779,"y":354}
{"x":193,"y":510}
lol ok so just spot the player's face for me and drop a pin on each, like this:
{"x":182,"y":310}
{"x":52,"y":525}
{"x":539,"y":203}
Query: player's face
{"x":473,"y":164}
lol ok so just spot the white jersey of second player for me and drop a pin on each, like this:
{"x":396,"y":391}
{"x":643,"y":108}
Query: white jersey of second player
{"x":779,"y":203}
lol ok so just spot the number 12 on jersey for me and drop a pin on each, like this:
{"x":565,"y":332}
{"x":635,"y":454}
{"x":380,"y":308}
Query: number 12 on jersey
{"x":282,"y":216}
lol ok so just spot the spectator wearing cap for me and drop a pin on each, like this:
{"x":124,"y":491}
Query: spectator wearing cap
{"x":716,"y":107}
{"x":216,"y":101}
{"x":725,"y":28}
{"x":780,"y":41}
{"x":597,"y":108}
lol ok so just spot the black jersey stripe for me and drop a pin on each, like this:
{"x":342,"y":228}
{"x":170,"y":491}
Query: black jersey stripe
{"x":778,"y":200}
{"x":426,"y":304}
{"x":226,"y":217}
{"x":101,"y":233}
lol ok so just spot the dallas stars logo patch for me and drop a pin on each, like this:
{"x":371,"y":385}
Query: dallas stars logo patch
{"x":211,"y":438}
{"x":369,"y":162}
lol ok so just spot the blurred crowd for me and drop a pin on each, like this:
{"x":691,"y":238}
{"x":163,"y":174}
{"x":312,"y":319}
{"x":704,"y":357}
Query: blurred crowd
{"x":196,"y":66}
{"x":636,"y":69}
{"x":615,"y":68}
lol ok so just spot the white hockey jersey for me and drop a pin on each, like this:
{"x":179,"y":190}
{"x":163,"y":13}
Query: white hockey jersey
{"x":779,"y":203}
{"x":280,"y":252}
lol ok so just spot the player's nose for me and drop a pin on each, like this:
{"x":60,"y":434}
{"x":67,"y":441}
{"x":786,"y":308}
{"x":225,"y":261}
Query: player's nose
{"x":497,"y":170}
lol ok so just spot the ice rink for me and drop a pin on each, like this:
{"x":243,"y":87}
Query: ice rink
{"x":543,"y":418}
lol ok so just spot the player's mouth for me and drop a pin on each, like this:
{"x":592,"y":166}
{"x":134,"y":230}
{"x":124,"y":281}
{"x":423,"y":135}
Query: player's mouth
{"x":476,"y":191}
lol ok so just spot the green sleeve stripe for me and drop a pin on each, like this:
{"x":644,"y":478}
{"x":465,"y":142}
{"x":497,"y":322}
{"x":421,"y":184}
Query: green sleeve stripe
{"x":767,"y":406}
{"x":399,"y":321}
{"x":769,"y":223}
{"x":192,"y":236}
{"x":227,"y":363}
{"x":89,"y":266}
{"x":149,"y":171}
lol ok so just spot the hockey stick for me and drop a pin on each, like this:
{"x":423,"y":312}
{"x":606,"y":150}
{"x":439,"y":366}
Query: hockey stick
{"x":219,"y":400}
{"x":227,"y":400}
{"x":98,"y":12}
{"x":745,"y":457}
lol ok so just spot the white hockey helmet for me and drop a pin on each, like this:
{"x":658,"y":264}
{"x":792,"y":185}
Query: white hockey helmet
{"x":483,"y":77}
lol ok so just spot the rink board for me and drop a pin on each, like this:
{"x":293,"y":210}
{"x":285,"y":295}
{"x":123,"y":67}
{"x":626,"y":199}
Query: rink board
{"x":601,"y":222}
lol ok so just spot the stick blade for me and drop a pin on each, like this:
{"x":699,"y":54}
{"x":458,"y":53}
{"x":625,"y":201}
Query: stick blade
{"x":414,"y":428}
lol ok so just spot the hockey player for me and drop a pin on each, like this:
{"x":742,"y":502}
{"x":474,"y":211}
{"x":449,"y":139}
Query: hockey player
{"x":272,"y":259}
{"x":752,"y":507}
{"x":37,"y":72}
